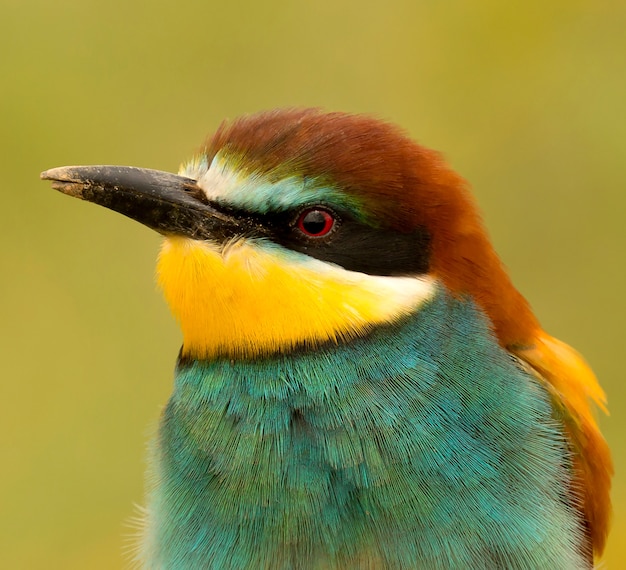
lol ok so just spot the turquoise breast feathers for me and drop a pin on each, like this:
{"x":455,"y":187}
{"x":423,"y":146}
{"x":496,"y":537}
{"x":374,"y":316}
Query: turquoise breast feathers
{"x":422,"y":445}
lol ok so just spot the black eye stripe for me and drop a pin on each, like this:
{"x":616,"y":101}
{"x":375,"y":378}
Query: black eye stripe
{"x":357,"y":246}
{"x":351,"y":244}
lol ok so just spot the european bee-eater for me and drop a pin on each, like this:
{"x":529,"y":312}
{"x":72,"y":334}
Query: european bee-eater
{"x":360,"y":385}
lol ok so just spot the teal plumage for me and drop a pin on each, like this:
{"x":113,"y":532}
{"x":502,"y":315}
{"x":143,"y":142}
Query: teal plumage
{"x":407,"y":441}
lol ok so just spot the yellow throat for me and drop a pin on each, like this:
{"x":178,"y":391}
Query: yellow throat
{"x":252,"y":298}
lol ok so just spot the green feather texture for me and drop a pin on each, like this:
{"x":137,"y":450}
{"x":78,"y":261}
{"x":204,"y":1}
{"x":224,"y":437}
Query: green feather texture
{"x":423,"y":445}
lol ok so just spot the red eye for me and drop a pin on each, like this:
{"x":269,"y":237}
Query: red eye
{"x":315,"y":222}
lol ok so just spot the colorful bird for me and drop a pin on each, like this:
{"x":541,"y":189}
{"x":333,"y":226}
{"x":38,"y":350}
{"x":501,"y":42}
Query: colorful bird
{"x":360,"y":385}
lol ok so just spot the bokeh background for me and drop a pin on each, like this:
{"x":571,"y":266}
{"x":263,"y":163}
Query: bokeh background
{"x":526,"y":98}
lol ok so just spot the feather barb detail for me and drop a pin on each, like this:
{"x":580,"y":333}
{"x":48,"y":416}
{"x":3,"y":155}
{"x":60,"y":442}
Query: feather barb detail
{"x":573,"y":387}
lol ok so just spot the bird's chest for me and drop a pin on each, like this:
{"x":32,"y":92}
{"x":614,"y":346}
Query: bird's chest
{"x":431,"y":452}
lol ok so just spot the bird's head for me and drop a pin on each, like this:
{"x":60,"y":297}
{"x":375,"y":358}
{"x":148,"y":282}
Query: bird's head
{"x":297,"y":227}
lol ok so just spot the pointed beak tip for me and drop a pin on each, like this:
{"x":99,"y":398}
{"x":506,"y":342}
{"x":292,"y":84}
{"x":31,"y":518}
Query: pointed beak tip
{"x":46,"y":174}
{"x":63,"y":181}
{"x":60,"y":173}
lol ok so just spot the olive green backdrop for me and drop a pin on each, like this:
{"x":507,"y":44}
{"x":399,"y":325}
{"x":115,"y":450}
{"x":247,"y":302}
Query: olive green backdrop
{"x":526,"y":98}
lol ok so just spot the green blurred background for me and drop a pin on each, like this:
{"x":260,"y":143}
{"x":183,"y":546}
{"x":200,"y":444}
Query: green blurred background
{"x":526,"y":98}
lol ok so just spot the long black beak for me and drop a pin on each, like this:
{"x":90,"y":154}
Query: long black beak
{"x":165,"y":202}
